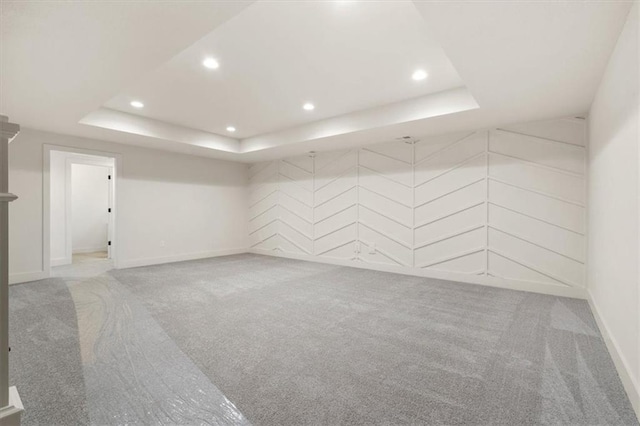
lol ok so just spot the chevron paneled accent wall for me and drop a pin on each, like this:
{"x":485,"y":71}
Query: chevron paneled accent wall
{"x":505,"y":203}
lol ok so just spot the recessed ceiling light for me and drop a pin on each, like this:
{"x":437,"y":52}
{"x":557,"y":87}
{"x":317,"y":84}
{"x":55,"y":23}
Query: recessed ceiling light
{"x":137,"y":104}
{"x":419,"y":75}
{"x":308,"y":106}
{"x":210,"y":63}
{"x":231,"y":129}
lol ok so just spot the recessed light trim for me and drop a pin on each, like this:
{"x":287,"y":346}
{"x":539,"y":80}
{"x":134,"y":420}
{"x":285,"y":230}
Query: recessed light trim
{"x":308,"y":106}
{"x":231,"y":129}
{"x":137,"y":104}
{"x":419,"y":75}
{"x":211,"y":63}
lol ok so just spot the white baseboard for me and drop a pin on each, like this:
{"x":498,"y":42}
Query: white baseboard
{"x":122,"y":264}
{"x":24,"y":277}
{"x":575,"y":292}
{"x":89,"y":250}
{"x":12,"y":413}
{"x":628,"y":381}
{"x":534,"y":287}
{"x":60,"y":261}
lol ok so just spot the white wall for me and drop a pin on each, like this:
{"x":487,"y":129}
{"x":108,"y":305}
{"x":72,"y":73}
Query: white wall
{"x":59,"y":238}
{"x":614,"y":214}
{"x":506,"y":205}
{"x":90,"y":201}
{"x":197,"y":206}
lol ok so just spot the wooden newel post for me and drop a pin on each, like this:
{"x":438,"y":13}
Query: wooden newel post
{"x":10,"y":405}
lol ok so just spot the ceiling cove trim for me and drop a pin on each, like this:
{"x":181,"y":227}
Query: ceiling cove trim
{"x":437,"y":104}
{"x":130,"y":123}
{"x":434,"y":105}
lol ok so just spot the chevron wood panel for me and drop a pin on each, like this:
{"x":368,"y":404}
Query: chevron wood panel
{"x":538,"y":206}
{"x":450,"y":224}
{"x":471,"y":262}
{"x":385,"y":211}
{"x":394,"y":230}
{"x":536,"y":214}
{"x":547,"y":181}
{"x":555,"y":239}
{"x":473,"y":171}
{"x":263,"y":181}
{"x":561,"y":156}
{"x":343,"y":214}
{"x":335,"y":208}
{"x":567,"y":130}
{"x":388,"y":167}
{"x":454,"y":156}
{"x":450,"y":204}
{"x":434,"y":144}
{"x":507,"y":203}
{"x":400,"y":150}
{"x":501,"y":266}
{"x":296,"y":204}
{"x":263,"y":205}
{"x":535,"y":257}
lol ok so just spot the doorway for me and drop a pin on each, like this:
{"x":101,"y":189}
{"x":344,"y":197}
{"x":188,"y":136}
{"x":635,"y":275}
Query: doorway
{"x":81,"y":210}
{"x":90,"y":210}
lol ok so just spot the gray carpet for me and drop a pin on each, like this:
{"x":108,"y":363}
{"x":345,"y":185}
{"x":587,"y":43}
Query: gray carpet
{"x":45,"y":353}
{"x":88,"y":352}
{"x":291,"y":342}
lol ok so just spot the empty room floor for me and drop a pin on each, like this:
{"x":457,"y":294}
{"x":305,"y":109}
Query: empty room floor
{"x":250,"y":339}
{"x":90,"y":257}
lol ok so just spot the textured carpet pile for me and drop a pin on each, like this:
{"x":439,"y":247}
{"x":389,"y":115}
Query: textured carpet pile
{"x":262,"y":340}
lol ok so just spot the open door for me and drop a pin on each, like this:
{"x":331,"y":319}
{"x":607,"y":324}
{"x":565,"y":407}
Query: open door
{"x":111,"y":221}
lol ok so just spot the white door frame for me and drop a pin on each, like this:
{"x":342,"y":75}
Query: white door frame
{"x":46,"y":201}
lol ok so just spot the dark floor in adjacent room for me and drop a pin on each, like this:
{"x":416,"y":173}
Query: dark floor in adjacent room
{"x":262,"y":340}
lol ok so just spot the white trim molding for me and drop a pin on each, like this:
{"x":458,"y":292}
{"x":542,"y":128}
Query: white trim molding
{"x":47,"y":262}
{"x":88,"y":250}
{"x":148,"y":261}
{"x":25,"y":277}
{"x":518,"y":285}
{"x":11,"y":414}
{"x":70,"y":161}
{"x":60,"y":261}
{"x":631,"y":386}
{"x":10,"y":405}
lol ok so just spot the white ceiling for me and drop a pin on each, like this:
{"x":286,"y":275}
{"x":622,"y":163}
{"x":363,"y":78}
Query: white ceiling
{"x":275,"y":56}
{"x":74,"y":67}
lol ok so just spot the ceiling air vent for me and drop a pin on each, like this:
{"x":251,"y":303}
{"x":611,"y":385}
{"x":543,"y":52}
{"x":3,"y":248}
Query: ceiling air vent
{"x":407,"y":139}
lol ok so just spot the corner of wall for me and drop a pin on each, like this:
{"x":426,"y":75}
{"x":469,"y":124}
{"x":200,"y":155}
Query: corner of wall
{"x":631,"y":385}
{"x":613,"y":276}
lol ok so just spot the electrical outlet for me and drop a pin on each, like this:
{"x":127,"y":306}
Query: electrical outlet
{"x":372,"y":248}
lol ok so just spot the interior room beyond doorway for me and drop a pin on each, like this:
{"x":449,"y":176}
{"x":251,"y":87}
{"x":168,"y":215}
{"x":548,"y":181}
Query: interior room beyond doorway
{"x":82,"y":195}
